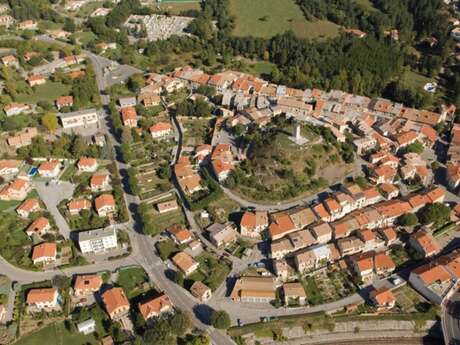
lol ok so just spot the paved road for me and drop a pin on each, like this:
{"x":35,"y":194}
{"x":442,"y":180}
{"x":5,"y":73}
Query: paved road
{"x":450,"y":319}
{"x":52,"y":194}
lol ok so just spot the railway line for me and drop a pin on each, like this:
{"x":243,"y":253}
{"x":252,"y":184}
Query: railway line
{"x":382,"y":341}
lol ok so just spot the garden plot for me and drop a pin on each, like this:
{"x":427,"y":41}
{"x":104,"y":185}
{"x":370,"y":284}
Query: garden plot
{"x":333,"y":284}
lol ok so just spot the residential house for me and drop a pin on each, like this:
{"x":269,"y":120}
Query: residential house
{"x":200,"y":291}
{"x":43,"y":299}
{"x":253,"y":223}
{"x":424,"y":243}
{"x":167,"y":206}
{"x":155,"y":307}
{"x":75,"y":206}
{"x":87,"y":164}
{"x":350,"y":245}
{"x":116,"y":303}
{"x":322,"y":232}
{"x":185,"y":263}
{"x":39,"y":227}
{"x":22,"y":138}
{"x":291,"y":243}
{"x":9,"y":167}
{"x":389,"y":235}
{"x":10,"y":61}
{"x":180,"y":234}
{"x":87,"y":284}
{"x":382,"y":298}
{"x":105,"y":205}
{"x":129,"y":117}
{"x":64,"y":101}
{"x":222,"y":234}
{"x":160,"y":130}
{"x":280,"y":226}
{"x":294,"y":293}
{"x":389,"y":190}
{"x":36,"y":79}
{"x":431,"y":280}
{"x":12,"y":109}
{"x":99,"y":182}
{"x":127,"y":102}
{"x":44,"y":253}
{"x":50,"y":169}
{"x":27,"y":207}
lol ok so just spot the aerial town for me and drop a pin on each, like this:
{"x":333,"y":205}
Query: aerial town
{"x":168,"y":177}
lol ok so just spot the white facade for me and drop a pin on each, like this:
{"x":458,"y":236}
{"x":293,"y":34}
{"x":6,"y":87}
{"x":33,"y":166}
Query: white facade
{"x":97,"y":241}
{"x":79,"y":118}
{"x":87,"y":327}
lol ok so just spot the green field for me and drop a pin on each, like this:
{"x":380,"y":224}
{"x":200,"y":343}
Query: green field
{"x":56,"y":334}
{"x":266,"y":18}
{"x":49,"y":91}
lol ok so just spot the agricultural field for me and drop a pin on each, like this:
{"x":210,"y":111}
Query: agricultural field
{"x":267,"y":18}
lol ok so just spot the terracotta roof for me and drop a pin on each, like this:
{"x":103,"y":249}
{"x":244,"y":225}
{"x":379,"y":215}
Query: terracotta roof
{"x":114,"y":299}
{"x":321,"y":211}
{"x":282,"y":224}
{"x":417,"y":200}
{"x":383,"y":261}
{"x":64,"y":100}
{"x":389,"y":234}
{"x":48,"y":166}
{"x":406,"y":138}
{"x":79,"y":204}
{"x":155,"y":306}
{"x":104,"y":200}
{"x":128,"y":113}
{"x":88,"y":282}
{"x":435,"y":194}
{"x":180,"y":232}
{"x":332,"y":205}
{"x":383,"y":296}
{"x":160,"y":127}
{"x":364,"y":262}
{"x":87,"y":162}
{"x":429,"y":132}
{"x":41,"y":295}
{"x":367,"y":235}
{"x":38,"y":225}
{"x":44,"y":250}
{"x":430,"y":273}
{"x":427,"y":242}
{"x":28,"y":205}
{"x":198,"y":289}
{"x":98,"y":180}
{"x":371,"y":193}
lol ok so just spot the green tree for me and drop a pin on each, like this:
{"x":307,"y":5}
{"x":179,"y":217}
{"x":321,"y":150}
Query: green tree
{"x":408,"y":219}
{"x":50,"y":121}
{"x":220,"y":319}
{"x":437,"y":214}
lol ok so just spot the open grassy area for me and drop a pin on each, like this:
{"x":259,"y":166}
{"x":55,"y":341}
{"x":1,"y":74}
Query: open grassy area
{"x":84,"y":37}
{"x":56,"y":334}
{"x":178,"y":6}
{"x":197,"y":131}
{"x":266,"y":18}
{"x":131,"y":280}
{"x":49,"y":91}
{"x":414,"y":80}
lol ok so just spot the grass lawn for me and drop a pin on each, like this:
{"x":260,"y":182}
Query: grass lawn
{"x":57,"y":334}
{"x":266,"y":18}
{"x":261,"y":68}
{"x":68,"y":173}
{"x":215,"y":270}
{"x":165,"y":220}
{"x":414,"y":80}
{"x":131,"y":280}
{"x":13,"y":204}
{"x":84,"y":37}
{"x":49,"y":91}
{"x":175,"y":7}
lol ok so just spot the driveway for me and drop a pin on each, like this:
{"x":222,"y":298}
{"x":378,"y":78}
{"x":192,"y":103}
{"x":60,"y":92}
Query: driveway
{"x":52,"y":194}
